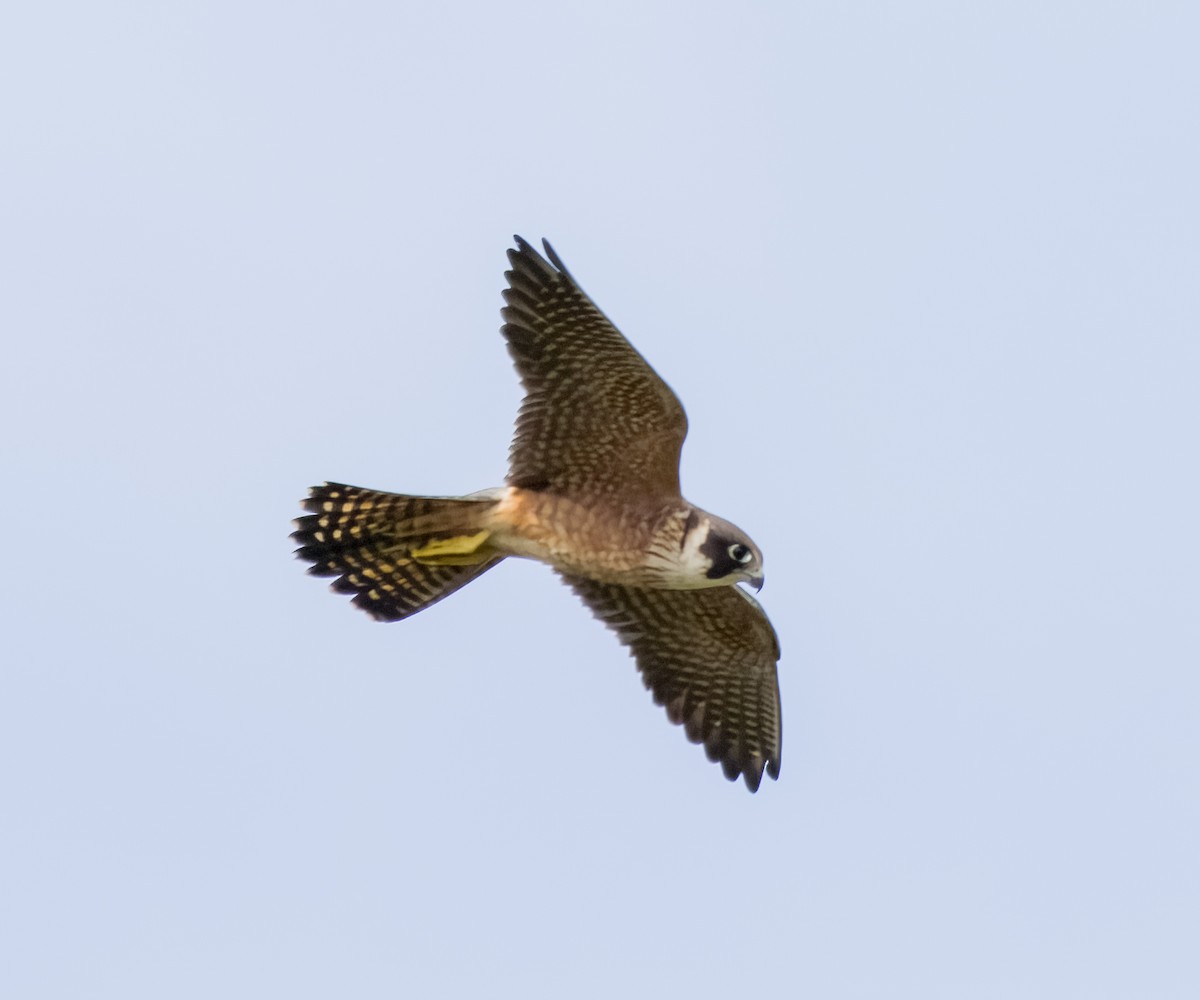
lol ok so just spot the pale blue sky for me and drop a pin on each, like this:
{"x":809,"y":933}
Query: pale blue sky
{"x":925,"y":277}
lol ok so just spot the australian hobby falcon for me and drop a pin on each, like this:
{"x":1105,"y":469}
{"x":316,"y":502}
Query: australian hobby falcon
{"x":592,"y":490}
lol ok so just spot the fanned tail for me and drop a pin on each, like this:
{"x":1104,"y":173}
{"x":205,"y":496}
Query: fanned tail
{"x":397,"y":554}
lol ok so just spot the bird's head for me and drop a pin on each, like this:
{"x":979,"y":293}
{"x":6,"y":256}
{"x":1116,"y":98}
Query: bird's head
{"x":721,"y":553}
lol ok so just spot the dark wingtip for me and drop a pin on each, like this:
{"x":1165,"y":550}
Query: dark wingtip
{"x":525,"y":260}
{"x":524,"y":246}
{"x":554,"y":258}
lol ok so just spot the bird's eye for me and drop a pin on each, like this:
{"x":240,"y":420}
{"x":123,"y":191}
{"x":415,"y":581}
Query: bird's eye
{"x":739,"y":553}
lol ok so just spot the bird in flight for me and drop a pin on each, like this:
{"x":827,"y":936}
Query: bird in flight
{"x":592,"y":490}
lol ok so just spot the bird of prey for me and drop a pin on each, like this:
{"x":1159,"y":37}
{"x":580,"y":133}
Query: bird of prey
{"x":592,"y":490}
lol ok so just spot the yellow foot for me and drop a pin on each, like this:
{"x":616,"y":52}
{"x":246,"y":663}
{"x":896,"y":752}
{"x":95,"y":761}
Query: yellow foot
{"x":461,"y":550}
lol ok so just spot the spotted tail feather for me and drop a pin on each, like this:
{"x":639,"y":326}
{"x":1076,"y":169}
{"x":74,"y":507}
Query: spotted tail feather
{"x":396,"y":554}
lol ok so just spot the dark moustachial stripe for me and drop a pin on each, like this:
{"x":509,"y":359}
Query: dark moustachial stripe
{"x":692,"y":520}
{"x":716,"y":547}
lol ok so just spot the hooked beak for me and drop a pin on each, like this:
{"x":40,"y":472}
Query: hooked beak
{"x":756,"y":582}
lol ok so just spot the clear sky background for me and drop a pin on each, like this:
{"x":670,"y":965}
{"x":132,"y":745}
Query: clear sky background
{"x":925,"y":277}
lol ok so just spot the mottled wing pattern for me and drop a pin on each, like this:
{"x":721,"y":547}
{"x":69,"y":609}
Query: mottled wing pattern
{"x":359,"y":536}
{"x":596,"y":420}
{"x":709,"y":657}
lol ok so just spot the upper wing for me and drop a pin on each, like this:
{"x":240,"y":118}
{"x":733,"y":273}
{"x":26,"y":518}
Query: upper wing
{"x":596,"y":420}
{"x":709,"y":656}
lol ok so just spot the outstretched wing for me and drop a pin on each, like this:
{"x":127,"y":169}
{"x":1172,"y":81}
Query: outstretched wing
{"x":596,"y":422}
{"x":709,"y":656}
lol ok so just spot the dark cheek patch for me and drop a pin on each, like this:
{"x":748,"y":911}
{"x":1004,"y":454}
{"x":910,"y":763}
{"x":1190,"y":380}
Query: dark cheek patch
{"x":717,"y":550}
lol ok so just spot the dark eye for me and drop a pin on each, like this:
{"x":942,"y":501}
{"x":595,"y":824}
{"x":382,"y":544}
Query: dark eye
{"x":739,"y":553}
